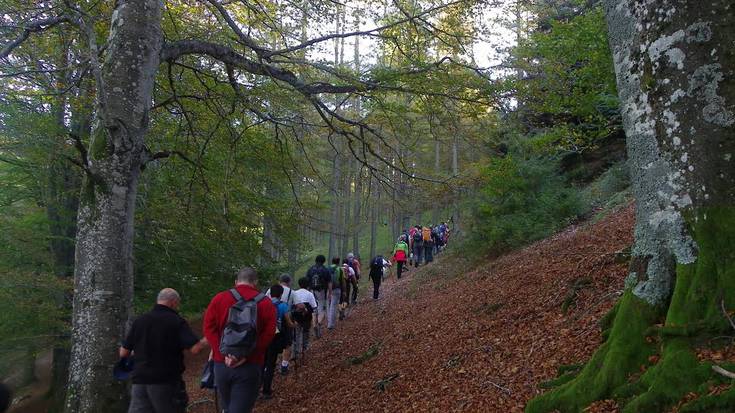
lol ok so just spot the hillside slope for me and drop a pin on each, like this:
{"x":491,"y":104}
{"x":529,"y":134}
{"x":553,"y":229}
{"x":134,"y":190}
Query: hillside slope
{"x":459,"y":337}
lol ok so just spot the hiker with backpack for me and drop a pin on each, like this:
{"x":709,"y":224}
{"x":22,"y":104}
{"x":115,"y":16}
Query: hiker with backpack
{"x":336,"y":287}
{"x":239,"y":324}
{"x":350,"y":279}
{"x":400,"y":255}
{"x":320,"y":282}
{"x":302,"y":310}
{"x":377,"y":268}
{"x":353,"y":283}
{"x":156,"y":341}
{"x":281,"y":341}
{"x":418,"y":245}
{"x":428,"y":244}
{"x":287,"y":297}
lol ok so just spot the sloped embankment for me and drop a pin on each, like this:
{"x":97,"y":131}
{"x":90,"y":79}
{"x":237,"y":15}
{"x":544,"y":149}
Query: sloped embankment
{"x":482,"y":339}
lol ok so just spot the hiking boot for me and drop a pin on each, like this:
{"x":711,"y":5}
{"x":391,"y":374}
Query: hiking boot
{"x":284,"y":370}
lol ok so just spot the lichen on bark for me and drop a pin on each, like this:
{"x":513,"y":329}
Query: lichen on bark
{"x":676,"y":83}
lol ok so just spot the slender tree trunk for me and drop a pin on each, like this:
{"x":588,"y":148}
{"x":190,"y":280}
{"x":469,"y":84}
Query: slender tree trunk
{"x":674,"y":69}
{"x":334,"y":233}
{"x":103,"y":277}
{"x":347,"y":199}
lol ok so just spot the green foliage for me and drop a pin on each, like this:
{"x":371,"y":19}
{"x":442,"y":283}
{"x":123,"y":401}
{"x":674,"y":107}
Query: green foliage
{"x":520,"y":200}
{"x":569,"y":92}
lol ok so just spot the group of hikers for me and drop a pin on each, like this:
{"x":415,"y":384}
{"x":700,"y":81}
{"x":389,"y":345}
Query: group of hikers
{"x":248,"y":329}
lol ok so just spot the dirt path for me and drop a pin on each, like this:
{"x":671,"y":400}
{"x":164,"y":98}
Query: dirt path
{"x":480,"y":340}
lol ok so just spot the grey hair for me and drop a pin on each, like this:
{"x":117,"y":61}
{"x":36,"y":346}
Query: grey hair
{"x":168,"y":295}
{"x":285,"y":278}
{"x":247,"y":275}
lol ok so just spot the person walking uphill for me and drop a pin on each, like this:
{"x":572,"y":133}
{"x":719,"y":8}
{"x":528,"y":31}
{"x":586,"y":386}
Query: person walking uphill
{"x":417,"y":244}
{"x":400,"y":255}
{"x":320,"y":284}
{"x":156,"y":341}
{"x":377,"y":266}
{"x":239,"y":351}
{"x":336,"y":287}
{"x":281,"y":341}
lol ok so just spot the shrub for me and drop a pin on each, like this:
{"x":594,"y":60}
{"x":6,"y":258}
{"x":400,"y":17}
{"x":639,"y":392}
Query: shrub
{"x":520,"y":201}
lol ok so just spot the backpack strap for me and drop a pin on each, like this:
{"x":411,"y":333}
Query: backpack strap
{"x":235,"y":294}
{"x":258,"y":297}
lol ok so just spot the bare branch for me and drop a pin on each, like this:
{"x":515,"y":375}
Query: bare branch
{"x":32,"y":27}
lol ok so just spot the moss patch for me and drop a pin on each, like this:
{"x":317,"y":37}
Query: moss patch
{"x":620,"y":356}
{"x":695,"y":313}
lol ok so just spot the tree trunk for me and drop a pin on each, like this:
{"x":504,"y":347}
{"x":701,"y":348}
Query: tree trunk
{"x":334,"y":233}
{"x":356,"y":219}
{"x":103,"y":277}
{"x":347,"y":207}
{"x":677,"y":88}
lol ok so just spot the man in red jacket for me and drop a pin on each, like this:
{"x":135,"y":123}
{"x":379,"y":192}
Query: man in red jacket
{"x":238,"y":379}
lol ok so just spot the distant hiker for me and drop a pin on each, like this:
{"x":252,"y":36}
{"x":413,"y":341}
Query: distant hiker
{"x":302,"y":310}
{"x":284,"y":280}
{"x":320,"y":284}
{"x":436,"y":238}
{"x":428,"y":244}
{"x":157,"y":340}
{"x":418,"y":245}
{"x":281,"y":341}
{"x":227,"y":327}
{"x":352,"y":284}
{"x":377,"y":267}
{"x":337,"y":287}
{"x":400,"y":255}
{"x":350,"y":279}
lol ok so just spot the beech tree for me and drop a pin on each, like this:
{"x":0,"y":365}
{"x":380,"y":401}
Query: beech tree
{"x":676,"y":82}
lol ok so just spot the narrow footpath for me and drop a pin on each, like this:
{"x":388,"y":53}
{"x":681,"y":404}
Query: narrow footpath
{"x":459,"y":336}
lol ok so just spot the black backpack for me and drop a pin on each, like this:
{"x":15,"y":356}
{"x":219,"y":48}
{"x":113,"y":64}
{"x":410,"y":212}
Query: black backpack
{"x":241,"y":332}
{"x":302,"y":314}
{"x":417,"y":237}
{"x":315,"y":278}
{"x":376,"y":266}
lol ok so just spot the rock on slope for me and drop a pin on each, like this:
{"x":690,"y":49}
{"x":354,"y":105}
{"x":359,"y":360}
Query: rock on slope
{"x":460,"y":337}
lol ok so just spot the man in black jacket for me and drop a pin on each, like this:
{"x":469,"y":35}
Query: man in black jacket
{"x":320,"y":284}
{"x":157,"y":341}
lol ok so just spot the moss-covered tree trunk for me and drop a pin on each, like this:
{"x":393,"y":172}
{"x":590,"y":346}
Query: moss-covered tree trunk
{"x":675,"y":63}
{"x":103,"y":277}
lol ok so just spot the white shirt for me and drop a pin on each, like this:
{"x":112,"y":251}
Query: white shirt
{"x":350,"y":271}
{"x":386,"y":264}
{"x":286,"y":297}
{"x":303,"y":295}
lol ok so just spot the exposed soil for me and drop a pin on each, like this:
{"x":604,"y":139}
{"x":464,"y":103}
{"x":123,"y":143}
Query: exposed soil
{"x":454,"y":339}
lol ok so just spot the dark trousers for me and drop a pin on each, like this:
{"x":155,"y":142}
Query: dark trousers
{"x":376,"y":286}
{"x":351,"y":295}
{"x":399,"y":268}
{"x":271,"y":356}
{"x":417,"y":249}
{"x":158,"y":398}
{"x":429,"y":253}
{"x":238,"y":388}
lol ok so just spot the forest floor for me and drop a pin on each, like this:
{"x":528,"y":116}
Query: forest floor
{"x":459,"y":336}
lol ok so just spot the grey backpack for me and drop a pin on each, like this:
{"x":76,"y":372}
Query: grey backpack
{"x":240,"y":334}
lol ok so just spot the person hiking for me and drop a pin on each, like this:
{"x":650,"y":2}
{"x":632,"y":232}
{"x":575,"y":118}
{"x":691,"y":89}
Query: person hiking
{"x":418,"y":245}
{"x":320,"y":282}
{"x":428,"y":244}
{"x":287,"y":297}
{"x":302,"y":310}
{"x":336,"y":287}
{"x":237,"y":376}
{"x":350,"y":279}
{"x":281,"y":341}
{"x":400,"y":255}
{"x":156,"y":341}
{"x":436,"y":239}
{"x":377,"y":267}
{"x":353,"y":284}
{"x":411,"y":233}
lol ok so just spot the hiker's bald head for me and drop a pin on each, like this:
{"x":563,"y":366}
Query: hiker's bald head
{"x":168,"y":297}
